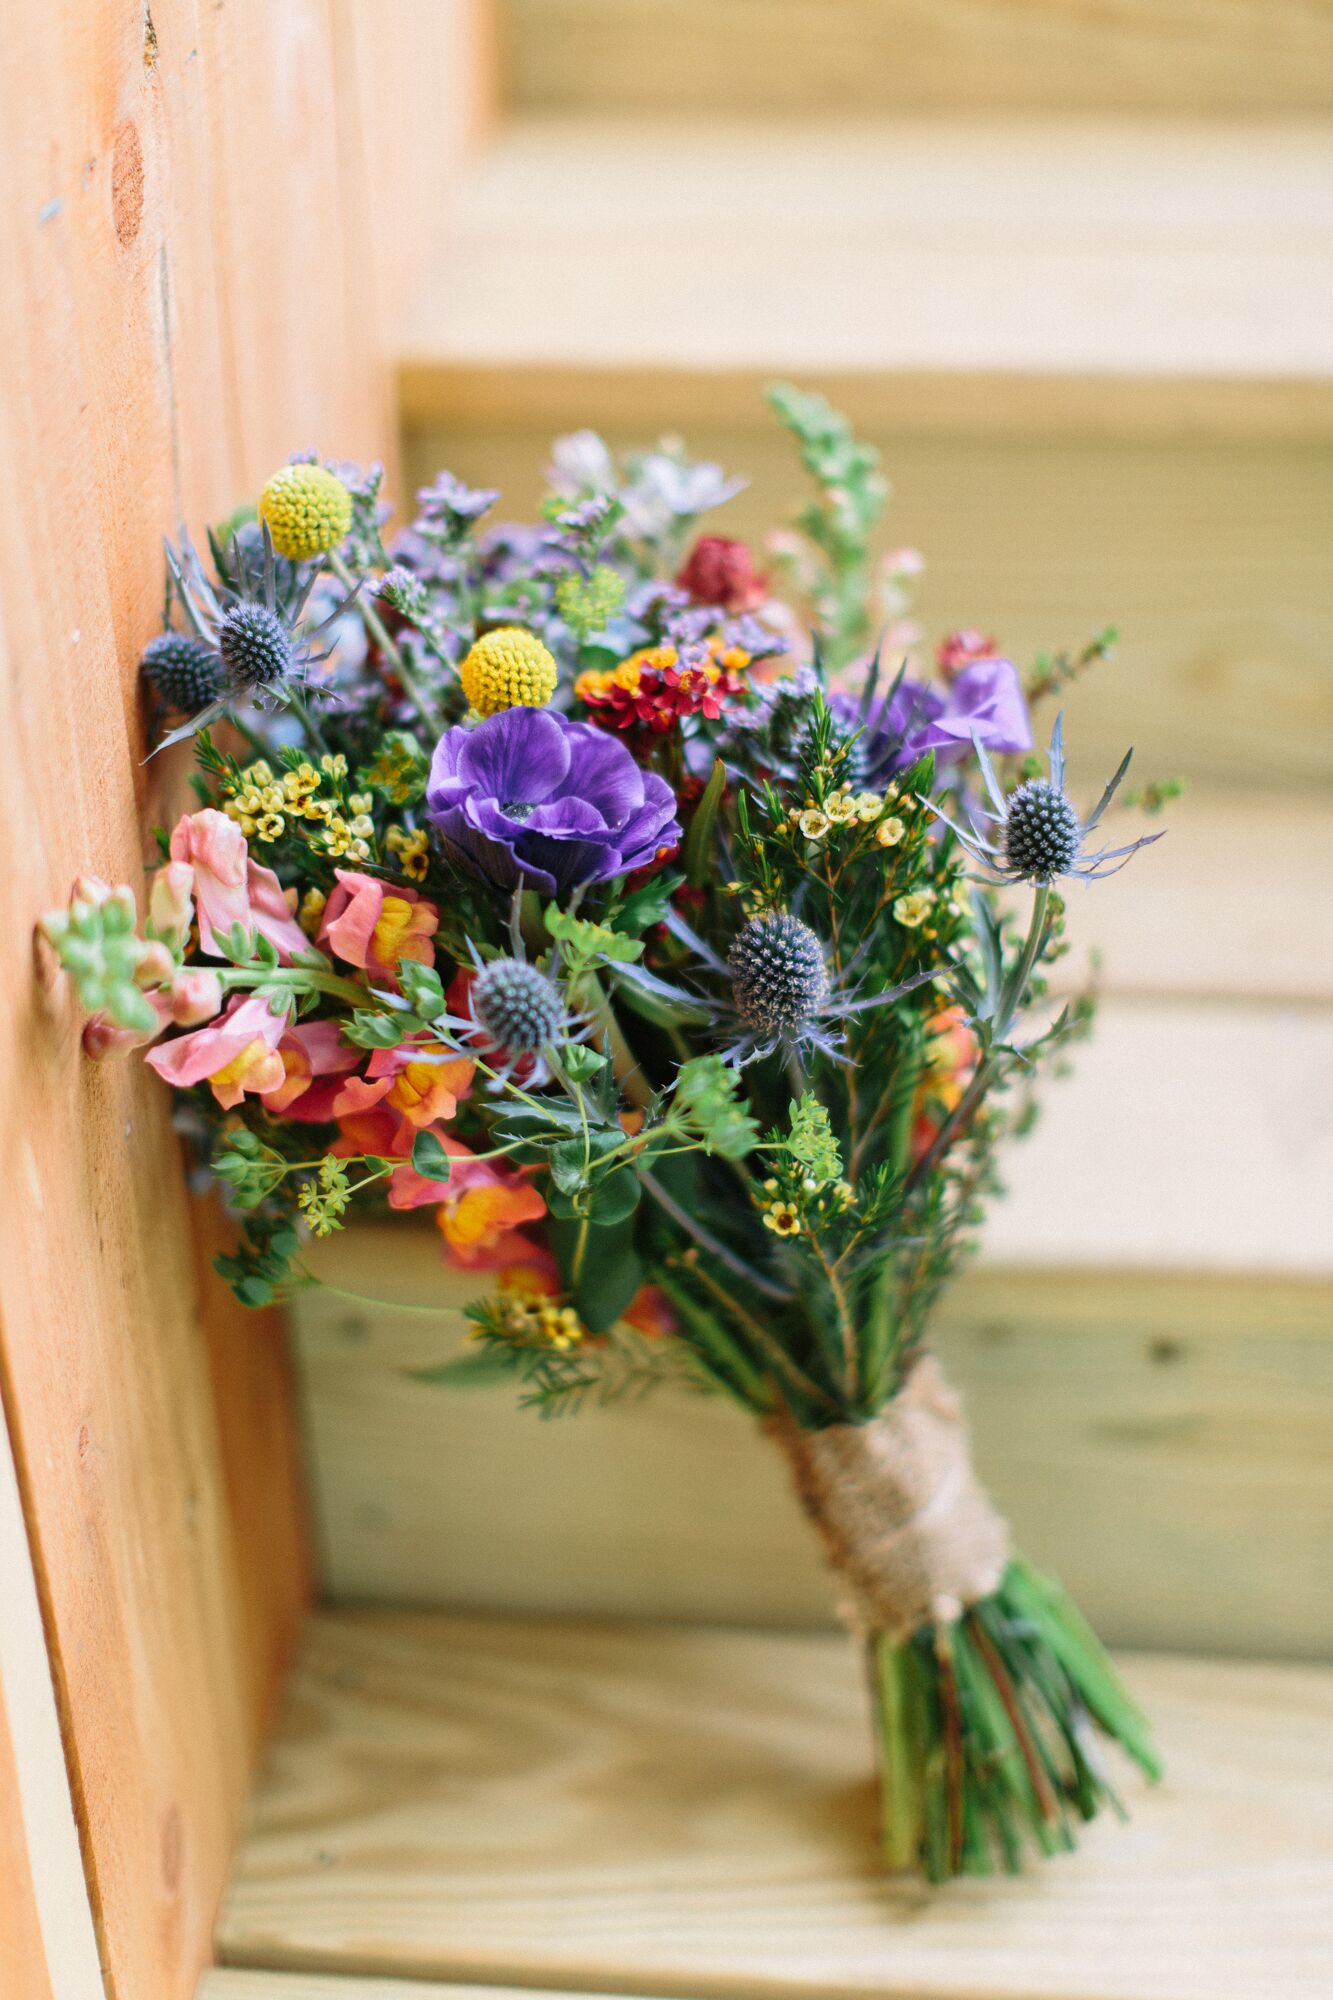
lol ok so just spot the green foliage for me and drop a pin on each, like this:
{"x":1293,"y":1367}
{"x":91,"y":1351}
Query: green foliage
{"x":588,"y":603}
{"x":839,"y":523}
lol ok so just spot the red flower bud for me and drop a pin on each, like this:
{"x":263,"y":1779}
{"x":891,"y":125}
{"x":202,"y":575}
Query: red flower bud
{"x":718,"y":571}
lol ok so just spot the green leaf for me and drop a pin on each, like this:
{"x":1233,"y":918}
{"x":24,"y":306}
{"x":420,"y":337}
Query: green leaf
{"x":476,"y":1369}
{"x":581,"y":1062}
{"x":429,"y":1157}
{"x":614,"y":1197}
{"x":647,"y":905}
{"x":422,"y":985}
{"x":699,"y":839}
{"x":377,"y":1031}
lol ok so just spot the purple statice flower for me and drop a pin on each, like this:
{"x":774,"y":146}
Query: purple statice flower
{"x":527,"y":796}
{"x":448,"y":508}
{"x":984,"y":703}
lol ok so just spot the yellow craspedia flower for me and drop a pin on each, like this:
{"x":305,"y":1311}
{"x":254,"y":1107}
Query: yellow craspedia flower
{"x":308,"y":511}
{"x":508,"y":668}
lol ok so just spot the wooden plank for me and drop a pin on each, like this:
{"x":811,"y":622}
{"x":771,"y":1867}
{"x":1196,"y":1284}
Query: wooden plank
{"x":1210,"y":556}
{"x":240,"y":1985}
{"x":1112,"y":253}
{"x":662,"y":1811}
{"x":1163,"y":1442}
{"x":757,"y":59}
{"x":422,"y":79}
{"x":48,"y":1948}
{"x":183,"y":307}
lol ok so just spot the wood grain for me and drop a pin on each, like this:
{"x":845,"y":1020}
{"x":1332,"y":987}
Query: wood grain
{"x":661,"y":1811}
{"x":48,"y":1949}
{"x":183,"y":307}
{"x":757,"y":59}
{"x":1163,"y":1442}
{"x":240,"y":1985}
{"x":1108,"y":252}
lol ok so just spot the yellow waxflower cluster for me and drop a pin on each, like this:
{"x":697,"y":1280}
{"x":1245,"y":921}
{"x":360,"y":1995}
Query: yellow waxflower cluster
{"x":412,"y":850}
{"x":307,"y":510}
{"x":266,"y":806}
{"x":508,"y":668}
{"x":533,"y":1319}
{"x":842,"y":807}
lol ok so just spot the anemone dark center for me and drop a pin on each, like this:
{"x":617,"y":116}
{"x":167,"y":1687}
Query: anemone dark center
{"x":517,"y":809}
{"x":778,"y":976}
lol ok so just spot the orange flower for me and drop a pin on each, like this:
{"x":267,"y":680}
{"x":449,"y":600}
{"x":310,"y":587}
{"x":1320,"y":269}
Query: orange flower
{"x":371,"y":925}
{"x":425,"y":1089}
{"x":479,"y":1221}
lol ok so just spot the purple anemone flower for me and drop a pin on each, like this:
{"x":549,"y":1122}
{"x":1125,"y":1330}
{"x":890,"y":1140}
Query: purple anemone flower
{"x":984,"y":702}
{"x":527,"y":796}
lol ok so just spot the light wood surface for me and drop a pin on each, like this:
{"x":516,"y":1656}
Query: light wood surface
{"x":223,"y":1984}
{"x":183,"y":307}
{"x":1164,"y":1442}
{"x":48,"y":1949}
{"x":1102,"y":251}
{"x":1209,"y":556}
{"x":798,"y":58}
{"x":669,"y":1812}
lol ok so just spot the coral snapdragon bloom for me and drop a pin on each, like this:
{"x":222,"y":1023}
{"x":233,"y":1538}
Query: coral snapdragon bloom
{"x":236,"y":1055}
{"x":375,"y":925}
{"x":480,"y":1215}
{"x":229,"y":888}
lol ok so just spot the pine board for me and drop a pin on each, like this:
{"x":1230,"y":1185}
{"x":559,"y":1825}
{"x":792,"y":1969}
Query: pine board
{"x":1163,"y":1442}
{"x":798,"y":59}
{"x":48,"y":1949}
{"x":655,"y":1811}
{"x":238,"y":1985}
{"x":1183,"y":262}
{"x":179,"y":313}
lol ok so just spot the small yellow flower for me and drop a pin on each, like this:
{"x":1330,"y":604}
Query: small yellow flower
{"x":508,"y":668}
{"x":782,"y":1218}
{"x":869,"y":805}
{"x":361,"y":802}
{"x":311,"y":911}
{"x":841,"y":807}
{"x":813,"y":823}
{"x":271,"y":826}
{"x":333,"y":764}
{"x":273,"y":799}
{"x":300,"y":783}
{"x":363,"y":826}
{"x":318,"y":809}
{"x":258,"y":773}
{"x":912,"y":910}
{"x":358,"y":850}
{"x":412,"y":849}
{"x":890,"y":831}
{"x":308,"y":511}
{"x":337,"y":836}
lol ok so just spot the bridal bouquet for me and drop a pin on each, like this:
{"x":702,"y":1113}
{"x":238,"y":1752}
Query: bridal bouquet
{"x":682,"y":946}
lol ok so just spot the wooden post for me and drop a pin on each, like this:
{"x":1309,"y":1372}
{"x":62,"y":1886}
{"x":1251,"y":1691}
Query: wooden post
{"x":189,"y":296}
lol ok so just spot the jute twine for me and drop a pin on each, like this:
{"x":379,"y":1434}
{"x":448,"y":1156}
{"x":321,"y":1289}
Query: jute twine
{"x":907,"y":1529}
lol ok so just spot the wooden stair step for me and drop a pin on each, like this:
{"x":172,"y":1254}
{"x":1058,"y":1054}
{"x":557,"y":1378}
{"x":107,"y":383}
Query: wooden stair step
{"x":800,"y":58}
{"x":937,"y":274}
{"x":1163,"y":1442}
{"x":653,"y":1810}
{"x":225,"y":1984}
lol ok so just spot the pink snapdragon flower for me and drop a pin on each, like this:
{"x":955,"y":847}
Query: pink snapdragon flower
{"x":229,"y":888}
{"x":236,"y":1055}
{"x":375,"y":925}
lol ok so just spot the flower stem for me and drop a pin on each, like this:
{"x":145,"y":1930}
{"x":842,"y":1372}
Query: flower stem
{"x":375,"y":625}
{"x":706,"y":1240}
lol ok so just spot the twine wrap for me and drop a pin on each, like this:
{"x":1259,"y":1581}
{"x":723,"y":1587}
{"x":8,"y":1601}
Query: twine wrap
{"x":906,"y":1527}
